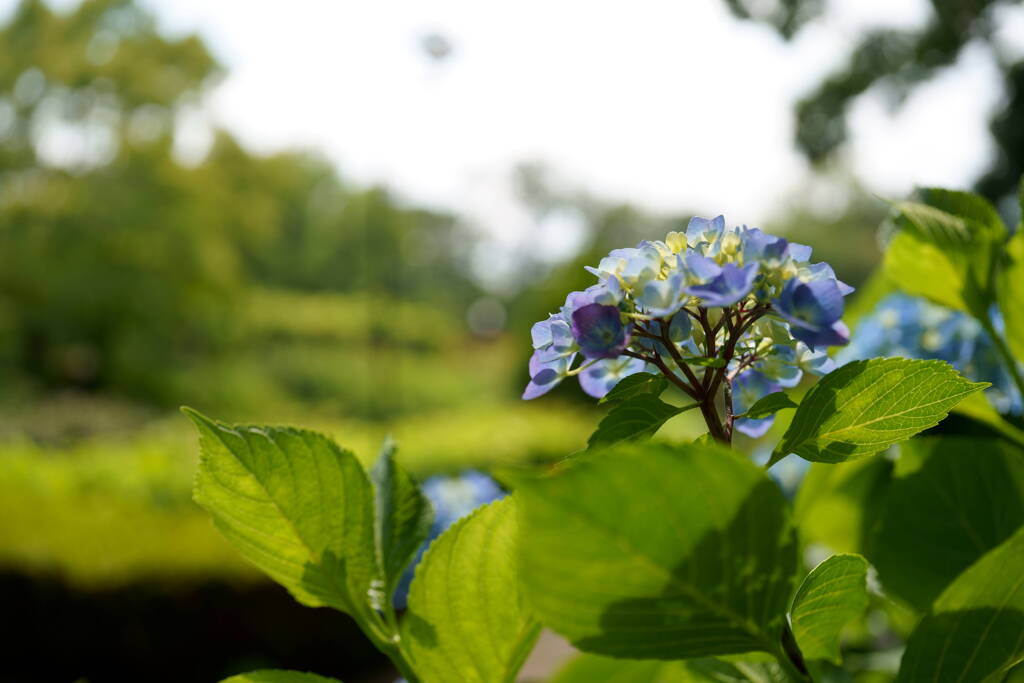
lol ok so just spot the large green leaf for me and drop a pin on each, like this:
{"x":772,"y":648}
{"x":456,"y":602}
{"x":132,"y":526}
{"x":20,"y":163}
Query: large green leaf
{"x":866,"y":406}
{"x":942,"y":257}
{"x":831,"y":595}
{"x":589,"y":668}
{"x":646,"y":551}
{"x":975,"y":630}
{"x":636,"y":418}
{"x":952,"y":500}
{"x":466,"y":620}
{"x":296,"y":506}
{"x":1011,"y":293}
{"x":279,"y":676}
{"x":403,"y":517}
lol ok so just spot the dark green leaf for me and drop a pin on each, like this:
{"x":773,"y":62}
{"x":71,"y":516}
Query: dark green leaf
{"x":466,"y":620}
{"x":834,"y":593}
{"x":866,"y":406}
{"x":296,"y":506}
{"x":952,"y":500}
{"x":769,"y":405}
{"x":975,"y":630}
{"x":279,"y":676}
{"x":403,"y":517}
{"x":590,"y":668}
{"x":636,"y":418}
{"x":646,"y":551}
{"x":635,"y":385}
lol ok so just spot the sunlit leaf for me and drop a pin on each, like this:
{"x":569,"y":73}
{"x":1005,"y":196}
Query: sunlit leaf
{"x":466,"y":619}
{"x":636,"y":418}
{"x":646,"y":551}
{"x":279,"y":676}
{"x":635,"y":385}
{"x":975,"y":630}
{"x":834,"y":593}
{"x":769,"y":405}
{"x":866,"y":406}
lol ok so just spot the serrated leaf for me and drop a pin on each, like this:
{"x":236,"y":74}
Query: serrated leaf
{"x":952,"y":499}
{"x":651,"y":552}
{"x":403,"y":518}
{"x":589,"y":668}
{"x":296,"y":506}
{"x":769,"y":405}
{"x":834,"y":593}
{"x":466,"y":619}
{"x":635,"y":385}
{"x":866,"y":406}
{"x":975,"y":630}
{"x":636,"y":418}
{"x":279,"y":676}
{"x":944,"y":258}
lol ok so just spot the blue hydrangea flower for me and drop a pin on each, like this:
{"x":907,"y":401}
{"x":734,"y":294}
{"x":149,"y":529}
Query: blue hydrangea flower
{"x":546,"y":375}
{"x":750,"y":299}
{"x":748,"y":388}
{"x":813,"y":310}
{"x":452,"y":497}
{"x":599,"y":378}
{"x":720,"y":285}
{"x":599,"y":331}
{"x":910,"y":327}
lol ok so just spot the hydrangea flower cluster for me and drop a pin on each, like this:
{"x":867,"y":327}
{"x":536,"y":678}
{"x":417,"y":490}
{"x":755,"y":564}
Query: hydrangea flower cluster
{"x":745,"y":310}
{"x":911,"y":327}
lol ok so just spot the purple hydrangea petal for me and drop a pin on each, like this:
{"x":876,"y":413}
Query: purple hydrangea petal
{"x":731,"y":285}
{"x":799,"y":252}
{"x":602,"y":376}
{"x":702,"y":267}
{"x":704,"y":229}
{"x":754,"y":428}
{"x":748,"y":388}
{"x":599,"y":332}
{"x":813,"y":305}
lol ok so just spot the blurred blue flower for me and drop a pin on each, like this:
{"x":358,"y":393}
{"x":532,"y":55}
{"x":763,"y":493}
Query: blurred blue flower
{"x":452,"y":497}
{"x":748,"y":388}
{"x":911,"y":327}
{"x":599,"y":332}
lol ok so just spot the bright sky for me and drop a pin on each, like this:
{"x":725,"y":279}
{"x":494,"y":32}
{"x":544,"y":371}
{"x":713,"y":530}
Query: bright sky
{"x":671,"y":104}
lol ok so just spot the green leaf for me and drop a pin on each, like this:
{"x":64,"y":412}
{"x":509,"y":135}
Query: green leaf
{"x":636,"y":385}
{"x":834,"y":593}
{"x":769,"y":405}
{"x":975,"y":630}
{"x":1011,"y":293}
{"x":952,"y":500}
{"x":637,"y":418}
{"x":403,"y":518}
{"x":296,"y":506}
{"x":588,"y":668}
{"x":466,"y":619}
{"x":651,"y":552}
{"x":942,"y":257}
{"x":279,"y":676}
{"x":971,"y":207}
{"x":866,"y":406}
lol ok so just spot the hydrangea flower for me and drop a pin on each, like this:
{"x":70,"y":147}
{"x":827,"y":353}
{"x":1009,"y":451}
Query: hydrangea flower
{"x":452,"y":497}
{"x":910,"y":327}
{"x":743,"y":309}
{"x":748,"y":388}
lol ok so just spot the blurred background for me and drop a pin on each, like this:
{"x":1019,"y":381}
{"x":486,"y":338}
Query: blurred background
{"x":347,"y":215}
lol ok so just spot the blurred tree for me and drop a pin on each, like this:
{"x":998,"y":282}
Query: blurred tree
{"x":118,"y":260}
{"x":901,"y":60}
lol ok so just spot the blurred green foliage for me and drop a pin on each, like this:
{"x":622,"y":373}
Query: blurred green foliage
{"x":897,"y":61}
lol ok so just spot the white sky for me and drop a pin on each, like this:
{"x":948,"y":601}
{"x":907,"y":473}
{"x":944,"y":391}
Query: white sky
{"x":670,"y":104}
